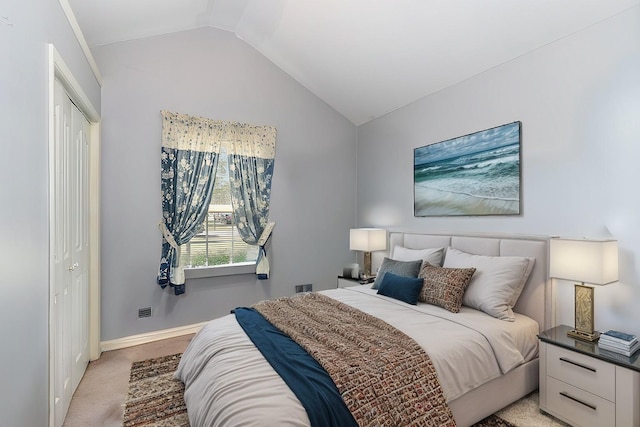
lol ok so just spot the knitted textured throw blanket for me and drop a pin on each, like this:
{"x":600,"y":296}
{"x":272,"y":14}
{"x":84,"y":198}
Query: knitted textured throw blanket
{"x":385,"y":378}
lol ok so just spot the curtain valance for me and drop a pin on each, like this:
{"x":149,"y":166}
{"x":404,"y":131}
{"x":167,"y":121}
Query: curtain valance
{"x":184,"y":132}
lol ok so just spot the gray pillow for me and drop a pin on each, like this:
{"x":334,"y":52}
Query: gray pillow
{"x":399,"y":268}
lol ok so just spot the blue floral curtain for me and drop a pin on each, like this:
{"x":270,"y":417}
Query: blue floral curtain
{"x":251,"y":163}
{"x":190,"y":151}
{"x":189,"y":160}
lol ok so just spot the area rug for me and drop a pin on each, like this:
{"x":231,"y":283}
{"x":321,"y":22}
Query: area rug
{"x":157,"y":399}
{"x":493,"y":421}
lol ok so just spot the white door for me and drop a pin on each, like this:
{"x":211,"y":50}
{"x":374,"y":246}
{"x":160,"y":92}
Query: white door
{"x":79,"y":247}
{"x":69,"y":251}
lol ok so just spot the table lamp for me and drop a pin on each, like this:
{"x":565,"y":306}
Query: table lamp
{"x":587,"y":261}
{"x":367,"y":240}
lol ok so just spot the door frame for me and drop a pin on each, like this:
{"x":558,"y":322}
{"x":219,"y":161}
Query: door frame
{"x":58,"y":70}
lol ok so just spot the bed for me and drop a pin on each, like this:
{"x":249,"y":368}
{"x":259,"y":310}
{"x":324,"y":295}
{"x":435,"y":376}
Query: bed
{"x":483,"y":362}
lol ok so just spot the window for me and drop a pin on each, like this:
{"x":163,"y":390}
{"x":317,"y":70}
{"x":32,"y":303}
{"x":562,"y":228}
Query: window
{"x":218,"y":242}
{"x":191,"y":147}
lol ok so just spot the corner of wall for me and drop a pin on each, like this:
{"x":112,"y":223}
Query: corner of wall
{"x":77,"y":31}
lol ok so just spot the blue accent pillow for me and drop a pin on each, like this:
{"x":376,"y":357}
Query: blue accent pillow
{"x":400,"y":268}
{"x":402,"y":288}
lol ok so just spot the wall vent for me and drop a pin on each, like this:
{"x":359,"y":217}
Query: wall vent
{"x":304,"y":288}
{"x":144,"y":312}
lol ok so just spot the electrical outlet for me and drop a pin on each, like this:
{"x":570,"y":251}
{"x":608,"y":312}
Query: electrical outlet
{"x":304,"y":288}
{"x":144,"y":312}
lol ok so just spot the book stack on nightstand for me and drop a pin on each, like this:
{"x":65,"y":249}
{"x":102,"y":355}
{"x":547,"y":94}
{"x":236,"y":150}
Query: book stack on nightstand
{"x":619,"y":342}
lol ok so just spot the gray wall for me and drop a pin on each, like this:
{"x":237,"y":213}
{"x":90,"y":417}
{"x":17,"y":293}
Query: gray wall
{"x":24,"y":218}
{"x":211,"y":73}
{"x":579,"y":103}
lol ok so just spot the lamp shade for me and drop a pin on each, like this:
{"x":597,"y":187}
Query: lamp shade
{"x":367,"y":239}
{"x":588,"y":261}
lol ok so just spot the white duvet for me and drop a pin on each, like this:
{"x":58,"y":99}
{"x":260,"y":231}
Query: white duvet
{"x":229,"y":383}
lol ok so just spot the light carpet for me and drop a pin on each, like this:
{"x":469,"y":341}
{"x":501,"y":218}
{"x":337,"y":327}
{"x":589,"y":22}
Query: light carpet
{"x":526,"y":413}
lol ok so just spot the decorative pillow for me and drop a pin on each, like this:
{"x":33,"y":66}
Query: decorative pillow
{"x":430,"y":255}
{"x":444,"y":287}
{"x":497,"y":283}
{"x":401,"y":288}
{"x":400,"y":268}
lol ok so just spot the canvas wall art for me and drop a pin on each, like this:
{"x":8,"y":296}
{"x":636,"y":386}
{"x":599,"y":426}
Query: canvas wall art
{"x":475,"y":174}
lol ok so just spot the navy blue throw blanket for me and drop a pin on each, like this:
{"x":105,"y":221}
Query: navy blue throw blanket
{"x":300,"y":371}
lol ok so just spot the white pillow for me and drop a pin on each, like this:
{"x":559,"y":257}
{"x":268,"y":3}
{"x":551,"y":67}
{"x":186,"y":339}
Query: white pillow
{"x":497,"y":282}
{"x":431,"y":255}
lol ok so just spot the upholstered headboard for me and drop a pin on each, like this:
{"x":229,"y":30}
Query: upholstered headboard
{"x":535,"y":300}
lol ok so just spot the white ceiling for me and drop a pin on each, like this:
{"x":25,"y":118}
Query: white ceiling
{"x":363,"y":57}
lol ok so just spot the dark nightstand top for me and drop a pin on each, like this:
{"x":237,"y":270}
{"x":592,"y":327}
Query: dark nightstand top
{"x":359,"y":281}
{"x":558,"y":336}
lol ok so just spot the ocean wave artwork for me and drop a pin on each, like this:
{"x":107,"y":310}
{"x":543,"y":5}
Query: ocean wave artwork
{"x":475,"y":174}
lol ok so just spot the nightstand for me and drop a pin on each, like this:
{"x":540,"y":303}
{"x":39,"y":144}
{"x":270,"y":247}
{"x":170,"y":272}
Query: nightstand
{"x":584,"y":386}
{"x":345,"y":282}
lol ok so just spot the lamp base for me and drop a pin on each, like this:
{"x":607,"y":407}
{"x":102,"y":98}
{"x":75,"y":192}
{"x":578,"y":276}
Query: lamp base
{"x":367,"y":265}
{"x":584,"y":315}
{"x":584,"y":336}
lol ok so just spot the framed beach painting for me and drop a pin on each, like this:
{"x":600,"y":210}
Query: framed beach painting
{"x":475,"y":174}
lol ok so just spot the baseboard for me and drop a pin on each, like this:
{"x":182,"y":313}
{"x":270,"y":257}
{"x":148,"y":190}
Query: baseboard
{"x":149,"y":337}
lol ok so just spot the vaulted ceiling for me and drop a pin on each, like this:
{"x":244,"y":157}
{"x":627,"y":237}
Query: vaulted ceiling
{"x":363,"y":57}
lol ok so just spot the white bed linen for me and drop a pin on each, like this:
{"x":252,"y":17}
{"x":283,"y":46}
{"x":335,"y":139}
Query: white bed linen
{"x":228,"y":382}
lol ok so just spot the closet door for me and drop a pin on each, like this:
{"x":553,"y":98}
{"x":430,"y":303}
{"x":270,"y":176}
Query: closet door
{"x":60,"y":254}
{"x":79,"y":246}
{"x":69,"y":251}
